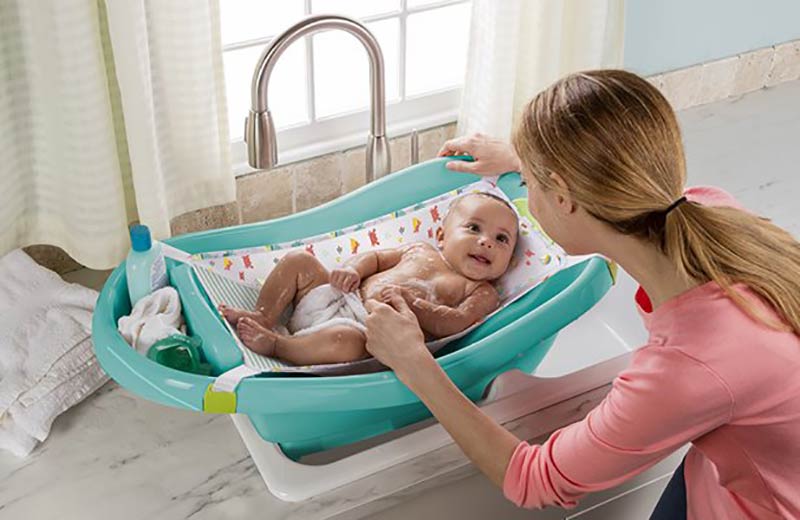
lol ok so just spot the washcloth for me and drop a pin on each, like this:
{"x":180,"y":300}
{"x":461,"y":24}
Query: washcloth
{"x":325,"y":306}
{"x":154,"y":317}
{"x":47,"y":363}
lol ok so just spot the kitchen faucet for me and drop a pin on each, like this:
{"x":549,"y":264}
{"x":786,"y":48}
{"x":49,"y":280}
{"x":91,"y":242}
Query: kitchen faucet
{"x":259,"y":133}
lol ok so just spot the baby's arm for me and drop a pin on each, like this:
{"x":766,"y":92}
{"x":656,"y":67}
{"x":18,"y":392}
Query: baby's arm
{"x":440,"y":320}
{"x":348,"y":277}
{"x":367,"y":264}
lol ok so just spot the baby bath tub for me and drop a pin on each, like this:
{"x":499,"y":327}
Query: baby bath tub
{"x":305,"y":414}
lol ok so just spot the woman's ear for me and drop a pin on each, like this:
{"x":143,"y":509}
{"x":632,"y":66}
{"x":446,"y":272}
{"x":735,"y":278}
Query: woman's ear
{"x":563,"y":197}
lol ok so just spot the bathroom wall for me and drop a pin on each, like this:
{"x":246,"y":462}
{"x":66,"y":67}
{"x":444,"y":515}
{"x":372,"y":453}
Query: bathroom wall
{"x":662,"y":36}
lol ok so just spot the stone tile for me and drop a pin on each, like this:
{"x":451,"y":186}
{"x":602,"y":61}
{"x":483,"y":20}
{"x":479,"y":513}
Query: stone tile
{"x":317,"y":181}
{"x":400,"y":150}
{"x":429,"y":143}
{"x":266,"y":194}
{"x":657,"y":81}
{"x":752,"y":70}
{"x":681,"y":87}
{"x":449,"y":131}
{"x":717,"y":80}
{"x":213,"y":217}
{"x":53,"y":258}
{"x":785,"y":64}
{"x":91,"y":278}
{"x":354,"y":169}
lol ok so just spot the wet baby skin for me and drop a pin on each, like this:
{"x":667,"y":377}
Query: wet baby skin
{"x":448,"y":288}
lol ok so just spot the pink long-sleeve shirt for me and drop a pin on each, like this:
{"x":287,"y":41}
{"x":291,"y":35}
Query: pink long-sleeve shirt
{"x":709,"y":375}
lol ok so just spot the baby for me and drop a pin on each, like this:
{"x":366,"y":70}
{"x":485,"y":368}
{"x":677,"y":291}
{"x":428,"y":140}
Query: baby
{"x":448,"y":288}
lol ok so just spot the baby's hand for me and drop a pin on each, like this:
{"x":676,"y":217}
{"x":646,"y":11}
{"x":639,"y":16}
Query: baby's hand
{"x":388,"y":290}
{"x":346,"y":279}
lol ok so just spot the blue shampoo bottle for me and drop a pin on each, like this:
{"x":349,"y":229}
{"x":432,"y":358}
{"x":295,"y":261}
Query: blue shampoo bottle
{"x":145,"y":268}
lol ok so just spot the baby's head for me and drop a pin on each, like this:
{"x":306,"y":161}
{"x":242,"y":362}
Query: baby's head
{"x":478,"y":236}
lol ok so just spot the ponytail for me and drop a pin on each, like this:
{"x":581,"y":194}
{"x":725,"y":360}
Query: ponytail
{"x":615,"y":141}
{"x":728,"y":245}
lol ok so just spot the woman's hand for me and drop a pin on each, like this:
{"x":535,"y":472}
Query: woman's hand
{"x":492,"y":156}
{"x":346,"y":279}
{"x":393,"y":335}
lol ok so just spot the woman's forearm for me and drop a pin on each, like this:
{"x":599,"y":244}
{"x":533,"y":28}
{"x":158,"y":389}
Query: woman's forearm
{"x":487,"y":444}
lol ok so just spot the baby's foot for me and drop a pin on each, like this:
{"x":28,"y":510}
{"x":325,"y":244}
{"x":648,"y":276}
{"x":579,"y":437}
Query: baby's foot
{"x":233,"y":315}
{"x":256,"y":337}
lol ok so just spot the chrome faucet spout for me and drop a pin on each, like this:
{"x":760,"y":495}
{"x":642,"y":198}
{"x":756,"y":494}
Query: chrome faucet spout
{"x":259,"y":127}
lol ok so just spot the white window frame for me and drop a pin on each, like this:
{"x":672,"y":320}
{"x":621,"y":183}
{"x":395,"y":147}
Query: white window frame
{"x":323,"y":135}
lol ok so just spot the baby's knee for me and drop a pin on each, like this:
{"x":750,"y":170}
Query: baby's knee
{"x":301,"y":260}
{"x":298,"y":255}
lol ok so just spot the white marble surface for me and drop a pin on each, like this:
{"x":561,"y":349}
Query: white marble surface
{"x":116,"y":455}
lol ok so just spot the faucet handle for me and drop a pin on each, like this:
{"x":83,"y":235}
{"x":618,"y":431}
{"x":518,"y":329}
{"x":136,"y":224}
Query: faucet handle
{"x":262,"y":148}
{"x":414,"y":146}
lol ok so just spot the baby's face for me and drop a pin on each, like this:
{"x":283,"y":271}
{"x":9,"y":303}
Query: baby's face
{"x":479,"y":236}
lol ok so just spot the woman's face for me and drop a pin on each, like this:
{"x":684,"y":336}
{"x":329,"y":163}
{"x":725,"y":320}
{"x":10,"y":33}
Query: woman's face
{"x":553,"y":212}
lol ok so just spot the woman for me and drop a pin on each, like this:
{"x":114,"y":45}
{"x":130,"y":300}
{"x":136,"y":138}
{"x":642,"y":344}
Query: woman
{"x":602,"y":157}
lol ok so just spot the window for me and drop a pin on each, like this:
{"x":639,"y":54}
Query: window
{"x":319,"y":90}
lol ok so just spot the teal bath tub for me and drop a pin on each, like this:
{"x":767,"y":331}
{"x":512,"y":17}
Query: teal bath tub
{"x":305,"y":414}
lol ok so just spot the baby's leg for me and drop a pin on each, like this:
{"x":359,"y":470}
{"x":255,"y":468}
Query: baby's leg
{"x":335,"y":344}
{"x":295,"y":274}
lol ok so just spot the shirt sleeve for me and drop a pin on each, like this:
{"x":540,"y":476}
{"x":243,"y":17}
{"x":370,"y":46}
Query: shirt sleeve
{"x":648,"y":414}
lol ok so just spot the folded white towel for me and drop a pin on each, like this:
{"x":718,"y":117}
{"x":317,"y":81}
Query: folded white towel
{"x":47,"y":362}
{"x":154,"y":317}
{"x":72,"y":378}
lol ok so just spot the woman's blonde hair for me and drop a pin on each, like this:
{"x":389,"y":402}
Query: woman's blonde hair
{"x":615,"y":141}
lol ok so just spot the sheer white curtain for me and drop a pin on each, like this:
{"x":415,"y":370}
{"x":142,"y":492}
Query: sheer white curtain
{"x":110,"y":111}
{"x":168,"y":57}
{"x":518,"y":47}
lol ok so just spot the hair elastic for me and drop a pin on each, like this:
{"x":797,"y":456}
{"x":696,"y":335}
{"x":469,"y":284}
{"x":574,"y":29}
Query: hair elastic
{"x":675,"y":204}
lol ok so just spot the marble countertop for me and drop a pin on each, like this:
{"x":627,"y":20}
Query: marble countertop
{"x":115,"y":455}
{"x":118,"y":455}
